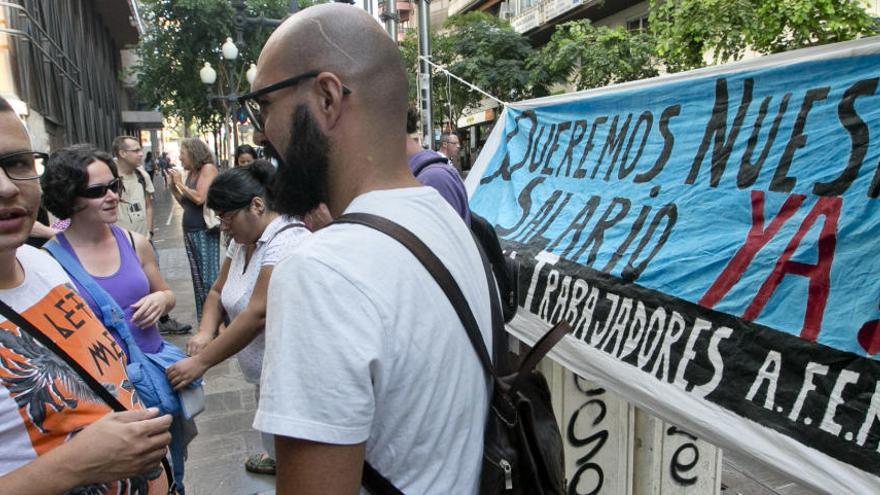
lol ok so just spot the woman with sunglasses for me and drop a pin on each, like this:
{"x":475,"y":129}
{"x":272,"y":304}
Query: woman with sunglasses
{"x":261,"y":237}
{"x":81,"y":183}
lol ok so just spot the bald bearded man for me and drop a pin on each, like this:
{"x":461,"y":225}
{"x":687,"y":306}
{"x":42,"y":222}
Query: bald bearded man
{"x":365,"y":357}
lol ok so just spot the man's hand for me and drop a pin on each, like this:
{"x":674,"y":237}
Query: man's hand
{"x":183,"y":372}
{"x":120,"y":445}
{"x":198,"y":342}
{"x":318,"y":217}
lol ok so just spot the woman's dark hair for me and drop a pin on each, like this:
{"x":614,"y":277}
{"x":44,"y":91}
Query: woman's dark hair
{"x":245,"y":149}
{"x":234,"y":189}
{"x":67,"y":175}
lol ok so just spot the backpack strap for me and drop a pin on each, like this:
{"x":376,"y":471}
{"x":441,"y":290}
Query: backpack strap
{"x":426,"y":163}
{"x":26,"y":326}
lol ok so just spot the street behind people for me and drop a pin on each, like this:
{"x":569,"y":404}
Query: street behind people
{"x":57,"y":434}
{"x":202,"y":244}
{"x":365,"y":358}
{"x":135,"y":210}
{"x":261,"y":238}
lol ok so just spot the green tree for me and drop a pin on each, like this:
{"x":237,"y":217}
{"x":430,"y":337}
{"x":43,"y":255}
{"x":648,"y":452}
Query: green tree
{"x":588,"y":56}
{"x":181,"y":35}
{"x":687,"y":29}
{"x":486,"y":51}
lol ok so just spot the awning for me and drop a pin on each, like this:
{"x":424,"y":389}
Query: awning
{"x":142,"y":120}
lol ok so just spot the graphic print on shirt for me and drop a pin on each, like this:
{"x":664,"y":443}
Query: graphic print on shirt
{"x":55,"y":404}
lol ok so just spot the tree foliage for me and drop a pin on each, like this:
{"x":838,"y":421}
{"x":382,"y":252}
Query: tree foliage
{"x":181,"y":35}
{"x":588,"y":56}
{"x":486,"y":51}
{"x":687,"y":29}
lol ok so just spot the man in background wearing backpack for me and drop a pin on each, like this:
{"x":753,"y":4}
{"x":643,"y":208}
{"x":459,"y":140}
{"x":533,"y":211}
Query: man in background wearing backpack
{"x":136,"y":205}
{"x":435,"y":170}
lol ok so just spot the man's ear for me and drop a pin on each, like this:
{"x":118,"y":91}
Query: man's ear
{"x":330,"y":96}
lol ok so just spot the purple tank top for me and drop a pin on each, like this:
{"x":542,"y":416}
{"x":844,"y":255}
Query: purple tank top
{"x":127,"y":286}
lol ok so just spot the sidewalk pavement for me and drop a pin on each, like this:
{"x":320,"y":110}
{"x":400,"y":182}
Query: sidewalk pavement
{"x":216,"y":457}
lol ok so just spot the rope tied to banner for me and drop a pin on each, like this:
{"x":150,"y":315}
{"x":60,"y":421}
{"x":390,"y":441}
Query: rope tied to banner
{"x":466,"y":83}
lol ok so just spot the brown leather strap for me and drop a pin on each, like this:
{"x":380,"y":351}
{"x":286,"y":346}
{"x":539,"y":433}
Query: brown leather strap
{"x":540,"y":349}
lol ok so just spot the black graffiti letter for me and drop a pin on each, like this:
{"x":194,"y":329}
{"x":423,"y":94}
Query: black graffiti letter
{"x":717,"y":126}
{"x":781,"y":182}
{"x":858,"y":134}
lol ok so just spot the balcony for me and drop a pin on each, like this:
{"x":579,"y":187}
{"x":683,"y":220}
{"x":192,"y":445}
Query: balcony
{"x":404,"y":9}
{"x":547,"y":11}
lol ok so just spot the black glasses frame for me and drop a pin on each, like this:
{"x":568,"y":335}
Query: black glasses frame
{"x":251,"y":106}
{"x":34,"y":156}
{"x":96,"y":191}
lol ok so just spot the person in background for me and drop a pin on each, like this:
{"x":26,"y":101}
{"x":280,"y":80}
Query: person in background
{"x":450,"y":147}
{"x":245,"y":154}
{"x":56,"y":434}
{"x":202,"y":244}
{"x":434,"y":170}
{"x":242,"y":199}
{"x":149,"y":165}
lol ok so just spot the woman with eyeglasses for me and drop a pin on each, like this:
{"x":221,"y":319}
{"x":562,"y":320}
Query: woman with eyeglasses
{"x":261,"y":237}
{"x":81,"y":183}
{"x":202,"y":244}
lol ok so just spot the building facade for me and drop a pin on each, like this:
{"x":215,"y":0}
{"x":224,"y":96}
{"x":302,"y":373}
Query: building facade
{"x":61,"y":67}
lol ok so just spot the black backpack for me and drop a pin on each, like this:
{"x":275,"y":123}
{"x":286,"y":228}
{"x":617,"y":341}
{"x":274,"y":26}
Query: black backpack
{"x":522,"y":451}
{"x":506,"y":269}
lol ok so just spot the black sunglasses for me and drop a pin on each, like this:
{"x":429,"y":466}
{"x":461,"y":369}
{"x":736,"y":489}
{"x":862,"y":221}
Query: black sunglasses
{"x":96,"y":191}
{"x":24,"y":165}
{"x":252,"y":106}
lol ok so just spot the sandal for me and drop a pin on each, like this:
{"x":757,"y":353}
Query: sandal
{"x":260,"y":464}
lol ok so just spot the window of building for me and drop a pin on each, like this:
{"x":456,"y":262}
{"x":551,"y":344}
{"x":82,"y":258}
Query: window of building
{"x":637,"y":23}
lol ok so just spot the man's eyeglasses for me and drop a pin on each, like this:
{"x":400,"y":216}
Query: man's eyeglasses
{"x":24,"y":165}
{"x":134,"y":150}
{"x":96,"y":191}
{"x":250,"y":101}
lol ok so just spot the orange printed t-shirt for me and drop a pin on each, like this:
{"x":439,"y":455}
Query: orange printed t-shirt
{"x":43,"y":401}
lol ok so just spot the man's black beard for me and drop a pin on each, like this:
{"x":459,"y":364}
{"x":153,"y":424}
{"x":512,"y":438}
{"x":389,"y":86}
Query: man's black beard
{"x":301,"y":181}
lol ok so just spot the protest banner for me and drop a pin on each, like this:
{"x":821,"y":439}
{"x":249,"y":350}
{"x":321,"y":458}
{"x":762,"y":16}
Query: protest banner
{"x":711,"y":237}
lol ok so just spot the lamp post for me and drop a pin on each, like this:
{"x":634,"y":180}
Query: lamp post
{"x":208,"y":75}
{"x":230,"y":51}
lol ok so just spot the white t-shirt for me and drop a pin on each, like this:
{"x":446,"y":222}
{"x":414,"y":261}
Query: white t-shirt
{"x":363,"y":345}
{"x":278,"y":240}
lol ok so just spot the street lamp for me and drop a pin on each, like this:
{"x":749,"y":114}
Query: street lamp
{"x":208,"y":75}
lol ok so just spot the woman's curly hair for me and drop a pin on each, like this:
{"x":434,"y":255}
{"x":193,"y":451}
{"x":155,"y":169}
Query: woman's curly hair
{"x":198,"y":152}
{"x":67,"y":175}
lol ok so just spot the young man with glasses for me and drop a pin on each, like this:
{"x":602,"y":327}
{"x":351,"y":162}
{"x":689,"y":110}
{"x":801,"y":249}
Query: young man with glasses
{"x":136,"y":206}
{"x":56,"y":433}
{"x":365,"y":358}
